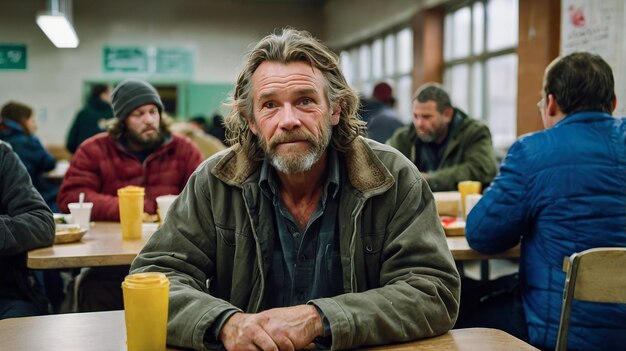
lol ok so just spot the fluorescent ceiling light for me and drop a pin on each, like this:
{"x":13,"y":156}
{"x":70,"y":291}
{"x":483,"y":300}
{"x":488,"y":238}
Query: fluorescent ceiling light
{"x":58,"y":29}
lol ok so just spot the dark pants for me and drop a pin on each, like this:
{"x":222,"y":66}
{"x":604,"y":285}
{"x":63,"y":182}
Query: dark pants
{"x":17,"y":308}
{"x":493,"y":304}
{"x":100,"y":289}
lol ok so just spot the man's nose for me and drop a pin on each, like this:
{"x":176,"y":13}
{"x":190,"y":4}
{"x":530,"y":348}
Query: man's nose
{"x":289,"y":117}
{"x":149,"y":118}
{"x":418,"y":122}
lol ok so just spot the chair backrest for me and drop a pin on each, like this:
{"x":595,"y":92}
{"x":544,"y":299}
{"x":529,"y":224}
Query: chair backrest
{"x":596,"y":275}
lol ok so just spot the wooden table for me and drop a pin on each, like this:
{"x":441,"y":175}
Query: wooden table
{"x":106,"y":331}
{"x":101,"y":246}
{"x":58,"y":173}
{"x":98,"y":331}
{"x":461,"y":251}
{"x":471,"y":339}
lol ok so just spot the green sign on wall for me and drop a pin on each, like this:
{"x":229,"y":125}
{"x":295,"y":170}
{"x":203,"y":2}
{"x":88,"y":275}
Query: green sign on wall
{"x":127,"y":59}
{"x":13,"y":56}
{"x":174,"y":61}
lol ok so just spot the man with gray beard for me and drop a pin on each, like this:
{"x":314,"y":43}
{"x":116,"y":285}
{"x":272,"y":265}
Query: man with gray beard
{"x":445,"y":144}
{"x":303,"y":232}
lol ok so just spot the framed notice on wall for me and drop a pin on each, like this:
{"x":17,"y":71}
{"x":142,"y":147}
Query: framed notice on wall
{"x":598,"y":27}
{"x":12,"y":56}
{"x":125,"y":59}
{"x":152,"y":60}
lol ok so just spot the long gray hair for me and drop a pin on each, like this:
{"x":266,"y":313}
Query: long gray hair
{"x":293,"y":46}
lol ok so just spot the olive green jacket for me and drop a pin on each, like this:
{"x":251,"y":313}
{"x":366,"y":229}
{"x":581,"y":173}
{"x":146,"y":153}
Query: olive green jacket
{"x":216,"y":247}
{"x":469,"y":154}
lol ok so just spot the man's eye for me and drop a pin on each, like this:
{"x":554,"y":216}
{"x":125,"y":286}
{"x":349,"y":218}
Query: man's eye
{"x":306,"y":101}
{"x":269,"y":104}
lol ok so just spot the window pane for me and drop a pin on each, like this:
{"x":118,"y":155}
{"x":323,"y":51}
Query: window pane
{"x":448,"y":40}
{"x":354,"y":58}
{"x":458,"y":88}
{"x":405,"y":50}
{"x":502,"y":98}
{"x":347,"y":67}
{"x":477,"y":91}
{"x":479,"y":27}
{"x":447,"y":79}
{"x":377,"y":59}
{"x":404,"y":95}
{"x":501,"y":24}
{"x":367,"y":89}
{"x":364,"y":62}
{"x":461,"y":33}
{"x":390,"y":55}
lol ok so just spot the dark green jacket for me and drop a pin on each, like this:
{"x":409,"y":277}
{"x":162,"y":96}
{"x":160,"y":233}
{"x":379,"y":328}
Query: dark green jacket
{"x":469,"y":154}
{"x":25,"y":223}
{"x":88,"y":122}
{"x":216,"y":247}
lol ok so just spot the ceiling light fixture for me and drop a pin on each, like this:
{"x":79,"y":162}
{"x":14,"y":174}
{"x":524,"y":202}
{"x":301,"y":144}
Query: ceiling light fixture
{"x":56,"y":23}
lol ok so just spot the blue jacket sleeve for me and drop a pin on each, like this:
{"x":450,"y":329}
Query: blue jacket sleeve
{"x":501,"y":217}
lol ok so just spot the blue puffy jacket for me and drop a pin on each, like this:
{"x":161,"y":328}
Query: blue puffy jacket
{"x":560,"y":191}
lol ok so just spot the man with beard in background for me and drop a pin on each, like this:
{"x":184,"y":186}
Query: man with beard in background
{"x":138,"y":150}
{"x":445,"y":144}
{"x":303,"y":231}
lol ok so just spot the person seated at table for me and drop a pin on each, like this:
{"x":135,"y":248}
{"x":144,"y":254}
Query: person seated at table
{"x":18,"y":127}
{"x":560,"y":191}
{"x":92,"y":118}
{"x":303,"y":231}
{"x":377,"y":111}
{"x":137,"y":150}
{"x":26,"y":223}
{"x":445,"y":144}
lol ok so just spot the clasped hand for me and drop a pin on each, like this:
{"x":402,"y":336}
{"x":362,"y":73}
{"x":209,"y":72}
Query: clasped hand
{"x":285,"y":329}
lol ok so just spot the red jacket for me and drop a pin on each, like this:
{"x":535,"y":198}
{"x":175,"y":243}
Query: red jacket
{"x":101,"y":166}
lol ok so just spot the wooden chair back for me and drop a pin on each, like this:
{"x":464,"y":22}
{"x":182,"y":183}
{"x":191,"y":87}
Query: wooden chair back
{"x":596,"y":275}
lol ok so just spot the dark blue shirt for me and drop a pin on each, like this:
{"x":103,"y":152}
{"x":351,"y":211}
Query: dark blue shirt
{"x":306,"y":264}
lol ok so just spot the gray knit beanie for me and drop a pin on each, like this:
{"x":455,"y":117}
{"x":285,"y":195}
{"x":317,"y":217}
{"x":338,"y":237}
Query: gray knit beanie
{"x":131,"y":94}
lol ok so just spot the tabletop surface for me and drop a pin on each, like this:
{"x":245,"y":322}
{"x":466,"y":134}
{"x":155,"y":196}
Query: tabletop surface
{"x":103,"y":246}
{"x":106,"y":331}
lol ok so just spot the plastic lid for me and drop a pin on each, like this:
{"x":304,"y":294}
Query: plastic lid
{"x":145,"y":280}
{"x":131,"y":190}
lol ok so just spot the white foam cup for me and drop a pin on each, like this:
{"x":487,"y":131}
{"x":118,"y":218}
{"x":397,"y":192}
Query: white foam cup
{"x":81,"y":213}
{"x":164,"y":202}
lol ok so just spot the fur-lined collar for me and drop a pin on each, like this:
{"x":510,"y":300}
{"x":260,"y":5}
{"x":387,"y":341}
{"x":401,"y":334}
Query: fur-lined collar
{"x":365,"y":170}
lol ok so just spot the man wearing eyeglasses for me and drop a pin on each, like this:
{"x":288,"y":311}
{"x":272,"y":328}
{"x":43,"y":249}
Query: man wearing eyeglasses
{"x":560,"y":191}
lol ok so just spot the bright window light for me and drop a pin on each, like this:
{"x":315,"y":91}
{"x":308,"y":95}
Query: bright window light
{"x":58,"y":29}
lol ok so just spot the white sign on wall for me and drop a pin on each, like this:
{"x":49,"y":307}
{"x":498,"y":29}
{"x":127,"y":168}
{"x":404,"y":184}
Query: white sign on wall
{"x":598,"y":27}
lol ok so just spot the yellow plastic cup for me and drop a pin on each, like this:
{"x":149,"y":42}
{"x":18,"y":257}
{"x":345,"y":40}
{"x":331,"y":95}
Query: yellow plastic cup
{"x":131,"y":211}
{"x":146,"y":298}
{"x":467,"y":187}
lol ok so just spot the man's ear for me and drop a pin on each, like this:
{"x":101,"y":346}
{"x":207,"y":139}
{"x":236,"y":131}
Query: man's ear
{"x":552,"y":107}
{"x":251,"y":124}
{"x":448,"y":112}
{"x":335,"y":115}
{"x":614,"y":104}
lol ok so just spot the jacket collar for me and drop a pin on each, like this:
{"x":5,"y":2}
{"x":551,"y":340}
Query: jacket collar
{"x":585,"y":116}
{"x":11,"y":126}
{"x":366,"y":172}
